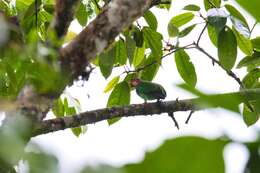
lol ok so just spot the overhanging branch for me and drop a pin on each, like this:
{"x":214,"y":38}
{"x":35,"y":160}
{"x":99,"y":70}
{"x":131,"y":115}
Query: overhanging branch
{"x":94,"y":116}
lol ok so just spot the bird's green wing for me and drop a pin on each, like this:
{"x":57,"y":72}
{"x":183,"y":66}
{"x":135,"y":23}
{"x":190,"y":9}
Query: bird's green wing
{"x":150,"y":91}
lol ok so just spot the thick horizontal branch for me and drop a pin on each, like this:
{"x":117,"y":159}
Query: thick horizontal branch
{"x":94,"y":116}
{"x":100,"y":33}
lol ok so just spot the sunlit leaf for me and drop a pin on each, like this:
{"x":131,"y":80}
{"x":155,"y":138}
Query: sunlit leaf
{"x":185,"y":67}
{"x":111,"y":84}
{"x":151,"y":20}
{"x":208,"y":4}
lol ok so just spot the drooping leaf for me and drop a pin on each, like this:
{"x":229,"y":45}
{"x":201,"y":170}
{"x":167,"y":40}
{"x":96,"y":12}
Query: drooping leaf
{"x":138,"y":37}
{"x":208,"y":4}
{"x":244,"y":43}
{"x":120,"y":52}
{"x":82,"y":14}
{"x":151,"y":20}
{"x":153,"y":40}
{"x":111,"y":84}
{"x":227,"y":48}
{"x":120,"y":96}
{"x":130,"y":47}
{"x":191,"y":7}
{"x":139,"y":55}
{"x":106,"y":62}
{"x":185,"y":67}
{"x":217,"y":18}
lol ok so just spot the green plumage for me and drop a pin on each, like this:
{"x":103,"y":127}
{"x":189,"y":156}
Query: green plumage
{"x":150,"y":91}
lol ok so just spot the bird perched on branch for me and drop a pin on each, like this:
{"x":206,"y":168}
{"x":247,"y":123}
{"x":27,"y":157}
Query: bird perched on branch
{"x":148,"y":90}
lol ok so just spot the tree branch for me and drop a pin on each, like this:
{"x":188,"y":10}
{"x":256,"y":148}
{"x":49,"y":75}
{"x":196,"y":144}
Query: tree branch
{"x":94,"y":116}
{"x":99,"y":34}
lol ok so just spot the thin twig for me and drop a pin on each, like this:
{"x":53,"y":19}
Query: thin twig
{"x":253,"y":28}
{"x":188,"y":119}
{"x":174,"y":120}
{"x":204,"y":28}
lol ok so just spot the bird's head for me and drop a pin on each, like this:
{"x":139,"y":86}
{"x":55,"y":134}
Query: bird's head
{"x":134,"y":82}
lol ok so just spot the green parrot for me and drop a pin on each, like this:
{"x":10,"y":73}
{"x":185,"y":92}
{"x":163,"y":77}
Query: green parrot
{"x":148,"y":90}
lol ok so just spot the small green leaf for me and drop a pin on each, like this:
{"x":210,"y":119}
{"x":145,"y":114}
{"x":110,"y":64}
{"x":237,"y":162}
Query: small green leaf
{"x":181,"y":19}
{"x":256,"y":43}
{"x":153,"y":40}
{"x":227,"y":48}
{"x":208,"y":4}
{"x":82,"y":15}
{"x":106,"y":62}
{"x":251,"y":79}
{"x":244,"y":43}
{"x":185,"y":67}
{"x":186,"y":31}
{"x":111,"y":84}
{"x":76,"y":131}
{"x":121,"y":53}
{"x":120,"y":96}
{"x":191,"y":7}
{"x":151,"y":20}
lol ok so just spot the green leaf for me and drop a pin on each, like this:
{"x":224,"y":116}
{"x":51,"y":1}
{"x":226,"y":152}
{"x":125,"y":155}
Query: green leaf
{"x":82,"y":14}
{"x":58,"y":108}
{"x":213,"y":34}
{"x":256,"y":43}
{"x":22,"y":5}
{"x":185,"y":67}
{"x":252,"y":7}
{"x":227,"y":48}
{"x":41,"y":163}
{"x":121,"y":53}
{"x":173,"y":31}
{"x":250,"y":117}
{"x":138,"y":37}
{"x":181,"y":19}
{"x":120,"y":96}
{"x":244,"y":43}
{"x":150,"y":71}
{"x":151,"y":20}
{"x":111,"y":84}
{"x":217,"y":18}
{"x":153,"y":40}
{"x":186,"y":31}
{"x":251,"y":79}
{"x":130,"y":47}
{"x":249,"y":61}
{"x":208,"y":4}
{"x":138,"y":55}
{"x":191,"y":7}
{"x":106,"y":62}
{"x":173,"y":155}
{"x":76,"y":131}
{"x":236,"y":14}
